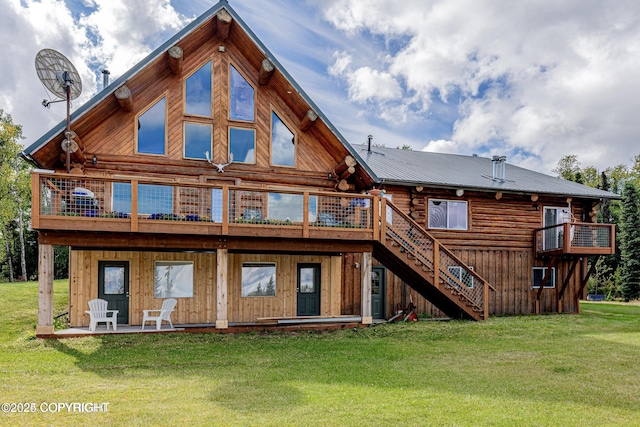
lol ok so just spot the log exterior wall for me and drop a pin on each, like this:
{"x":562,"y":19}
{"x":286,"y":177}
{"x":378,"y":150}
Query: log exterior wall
{"x":201,"y":308}
{"x":498,"y":244}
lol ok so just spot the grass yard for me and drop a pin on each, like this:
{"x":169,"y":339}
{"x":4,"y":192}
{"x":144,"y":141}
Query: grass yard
{"x":555,"y":370}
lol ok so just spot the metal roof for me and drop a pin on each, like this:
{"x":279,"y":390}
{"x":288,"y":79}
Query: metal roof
{"x":421,"y":168}
{"x":109,"y":90}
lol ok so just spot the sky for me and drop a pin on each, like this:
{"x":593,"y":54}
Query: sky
{"x":531,"y":80}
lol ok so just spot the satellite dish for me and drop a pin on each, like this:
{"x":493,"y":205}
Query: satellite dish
{"x":57,"y":73}
{"x":60,"y":77}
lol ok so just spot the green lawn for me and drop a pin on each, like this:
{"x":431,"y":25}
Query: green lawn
{"x":559,"y":370}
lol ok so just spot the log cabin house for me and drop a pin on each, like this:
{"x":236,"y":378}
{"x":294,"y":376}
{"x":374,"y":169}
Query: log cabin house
{"x":206,"y":174}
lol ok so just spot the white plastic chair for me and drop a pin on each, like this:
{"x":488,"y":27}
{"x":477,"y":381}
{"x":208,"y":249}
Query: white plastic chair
{"x":98,"y":313}
{"x":164,"y":313}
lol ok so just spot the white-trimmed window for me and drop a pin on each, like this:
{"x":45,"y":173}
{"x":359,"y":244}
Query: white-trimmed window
{"x":173,"y":279}
{"x":448,"y":214}
{"x":151,"y":125}
{"x":258,"y":279}
{"x":538,"y":275}
{"x":462,"y":275}
{"x":197,"y":140}
{"x":283,"y":143}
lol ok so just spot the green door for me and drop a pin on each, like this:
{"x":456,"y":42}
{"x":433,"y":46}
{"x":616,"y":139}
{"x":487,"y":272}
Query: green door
{"x":378,"y":290}
{"x":308,"y":290}
{"x":113,"y":286}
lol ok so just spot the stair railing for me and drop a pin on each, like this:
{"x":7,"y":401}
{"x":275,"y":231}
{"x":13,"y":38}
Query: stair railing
{"x":449,"y":271}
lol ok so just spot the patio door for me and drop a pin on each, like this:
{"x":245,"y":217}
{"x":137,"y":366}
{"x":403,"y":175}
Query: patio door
{"x":113,"y":286}
{"x":378,"y":291}
{"x":308,"y":290}
{"x":554,"y":216}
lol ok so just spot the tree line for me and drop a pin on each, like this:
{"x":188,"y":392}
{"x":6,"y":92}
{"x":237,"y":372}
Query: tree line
{"x":617,"y":276}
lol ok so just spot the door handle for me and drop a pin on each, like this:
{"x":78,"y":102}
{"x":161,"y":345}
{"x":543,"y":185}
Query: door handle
{"x":127,"y":294}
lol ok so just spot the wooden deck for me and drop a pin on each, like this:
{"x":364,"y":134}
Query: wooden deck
{"x":575,"y":238}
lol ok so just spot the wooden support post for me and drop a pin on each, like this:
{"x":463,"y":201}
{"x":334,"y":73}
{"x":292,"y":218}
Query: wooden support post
{"x":545,"y":279}
{"x":134,"y":206}
{"x":223,"y":24}
{"x":45,"y":290}
{"x":375,"y":206}
{"x":436,"y":264}
{"x":305,"y":215}
{"x":222,"y":257}
{"x":565,"y":283}
{"x":175,"y":59}
{"x":123,"y":95}
{"x":308,"y":120}
{"x":266,"y":71}
{"x":225,"y":210}
{"x":592,"y":270}
{"x":485,"y":308}
{"x":383,"y":220}
{"x":365,"y":276}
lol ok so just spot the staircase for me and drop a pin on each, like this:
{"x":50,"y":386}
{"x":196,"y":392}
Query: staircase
{"x":417,"y":258}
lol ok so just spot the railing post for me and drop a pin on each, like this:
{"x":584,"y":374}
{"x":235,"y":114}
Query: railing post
{"x":436,"y":263}
{"x":35,"y":200}
{"x":305,"y":215}
{"x":225,"y":210}
{"x":485,"y":308}
{"x":383,"y":220}
{"x":134,"y":206}
{"x":566,"y":238}
{"x":375,"y":206}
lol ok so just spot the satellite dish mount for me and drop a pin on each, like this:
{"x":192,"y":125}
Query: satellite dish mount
{"x":60,"y":77}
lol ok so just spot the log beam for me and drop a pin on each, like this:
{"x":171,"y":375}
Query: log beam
{"x":308,"y":120}
{"x":343,"y":185}
{"x":349,"y":161}
{"x":348,"y":172}
{"x":266,"y":71}
{"x":223,"y":25}
{"x":123,"y":95}
{"x":175,"y":59}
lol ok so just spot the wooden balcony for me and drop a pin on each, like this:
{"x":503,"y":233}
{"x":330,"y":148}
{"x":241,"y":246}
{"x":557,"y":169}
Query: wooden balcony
{"x":163,"y":207}
{"x":575,"y":238}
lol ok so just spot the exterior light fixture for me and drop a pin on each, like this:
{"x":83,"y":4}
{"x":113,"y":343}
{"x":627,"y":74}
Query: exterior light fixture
{"x":459,"y":192}
{"x":94,"y":160}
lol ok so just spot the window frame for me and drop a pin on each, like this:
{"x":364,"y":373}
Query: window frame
{"x":255,"y":94}
{"x":467,"y":221}
{"x":184,"y":92}
{"x":295,"y":140}
{"x":543,"y":269}
{"x":255,"y":160}
{"x":184,"y":139}
{"x":251,"y":264}
{"x":172,"y":262}
{"x":166,"y":126}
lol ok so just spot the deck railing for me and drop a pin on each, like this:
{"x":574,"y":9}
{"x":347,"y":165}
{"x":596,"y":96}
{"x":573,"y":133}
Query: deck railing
{"x":129,"y":203}
{"x":579,"y":238}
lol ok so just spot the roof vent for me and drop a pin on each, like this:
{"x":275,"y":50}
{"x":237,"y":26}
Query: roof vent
{"x":105,"y":78}
{"x":499,"y":167}
{"x":369,"y":139}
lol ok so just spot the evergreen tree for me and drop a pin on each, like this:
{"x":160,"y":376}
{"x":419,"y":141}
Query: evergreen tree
{"x":271,"y":287}
{"x":630,"y":244}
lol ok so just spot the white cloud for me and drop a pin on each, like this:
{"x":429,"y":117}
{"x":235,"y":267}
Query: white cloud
{"x":543,"y":78}
{"x":441,"y":146}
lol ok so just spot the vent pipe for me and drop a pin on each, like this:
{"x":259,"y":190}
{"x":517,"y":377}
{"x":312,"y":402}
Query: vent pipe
{"x":499,"y":169}
{"x":105,"y":78}
{"x":369,"y":138}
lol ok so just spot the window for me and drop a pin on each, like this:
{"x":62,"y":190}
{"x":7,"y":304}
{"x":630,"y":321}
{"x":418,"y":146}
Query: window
{"x":258,"y":279}
{"x":198,"y":92}
{"x":290,"y":206}
{"x":152,"y":199}
{"x":447,"y":214}
{"x":216,"y":204}
{"x":151,"y":129}
{"x":242,"y":145}
{"x":241,"y":102}
{"x":283,"y":148}
{"x":173,"y":279}
{"x":197,"y":140}
{"x":538,"y":275}
{"x":462,"y":275}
